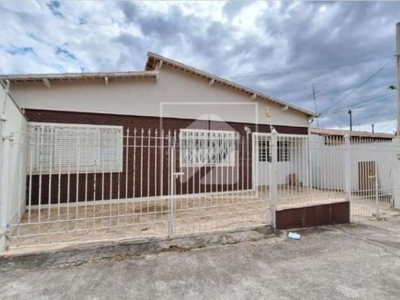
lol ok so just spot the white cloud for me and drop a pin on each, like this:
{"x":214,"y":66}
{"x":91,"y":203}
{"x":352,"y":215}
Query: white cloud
{"x":281,"y":48}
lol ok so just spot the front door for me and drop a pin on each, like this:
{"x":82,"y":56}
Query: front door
{"x":367,"y":177}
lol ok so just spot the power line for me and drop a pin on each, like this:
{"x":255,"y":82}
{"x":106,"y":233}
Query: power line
{"x":356,"y":105}
{"x":386,"y":126}
{"x":368,"y":104}
{"x":360,"y":85}
{"x":365,"y":103}
{"x":298,"y":70}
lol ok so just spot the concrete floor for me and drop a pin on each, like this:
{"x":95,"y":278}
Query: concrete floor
{"x":335,"y":262}
{"x":58,"y":225}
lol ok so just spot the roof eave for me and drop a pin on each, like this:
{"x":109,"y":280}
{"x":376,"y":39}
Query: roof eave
{"x":76,"y":76}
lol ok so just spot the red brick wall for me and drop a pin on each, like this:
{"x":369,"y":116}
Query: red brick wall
{"x":316,"y":215}
{"x":105,"y":186}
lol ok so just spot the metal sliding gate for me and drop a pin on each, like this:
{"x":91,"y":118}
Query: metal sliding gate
{"x":90,"y":183}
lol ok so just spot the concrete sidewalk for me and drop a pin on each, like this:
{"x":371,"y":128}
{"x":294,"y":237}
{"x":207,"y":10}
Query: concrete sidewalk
{"x":336,"y":262}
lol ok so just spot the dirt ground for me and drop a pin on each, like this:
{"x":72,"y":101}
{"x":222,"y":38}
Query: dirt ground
{"x":59,"y":225}
{"x":111,"y":221}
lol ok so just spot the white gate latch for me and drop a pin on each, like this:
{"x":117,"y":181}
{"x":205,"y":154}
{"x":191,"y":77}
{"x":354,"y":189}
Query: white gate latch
{"x":176,"y":174}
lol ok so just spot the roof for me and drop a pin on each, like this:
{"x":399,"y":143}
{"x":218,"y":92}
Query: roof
{"x":339,"y":132}
{"x":154,"y":59}
{"x":151,"y":70}
{"x":76,"y":76}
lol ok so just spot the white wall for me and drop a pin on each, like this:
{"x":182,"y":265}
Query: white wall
{"x":13,"y":164}
{"x":193,"y":98}
{"x":396,"y":173}
{"x":328,"y":163}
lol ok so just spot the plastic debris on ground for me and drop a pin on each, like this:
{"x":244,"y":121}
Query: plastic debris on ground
{"x":293,"y":236}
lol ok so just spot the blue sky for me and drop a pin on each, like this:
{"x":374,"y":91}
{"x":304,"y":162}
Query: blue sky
{"x":281,"y":48}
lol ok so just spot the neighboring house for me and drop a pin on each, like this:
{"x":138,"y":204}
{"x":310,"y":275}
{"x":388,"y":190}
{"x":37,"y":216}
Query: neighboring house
{"x":93,"y":116}
{"x":370,"y":154}
{"x":336,"y":136}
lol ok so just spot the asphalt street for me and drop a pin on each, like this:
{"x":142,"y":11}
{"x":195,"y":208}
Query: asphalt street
{"x":335,"y":262}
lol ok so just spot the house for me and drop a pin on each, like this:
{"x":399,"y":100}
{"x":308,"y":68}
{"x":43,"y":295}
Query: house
{"x":336,"y":136}
{"x":99,"y":136}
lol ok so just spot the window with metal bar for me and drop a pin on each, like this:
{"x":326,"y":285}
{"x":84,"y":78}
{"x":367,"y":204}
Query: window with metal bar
{"x":206,"y":147}
{"x":283,"y":151}
{"x":69,"y":148}
{"x":263,"y":151}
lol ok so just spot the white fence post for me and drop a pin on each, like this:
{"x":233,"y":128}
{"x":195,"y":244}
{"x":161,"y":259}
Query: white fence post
{"x":396,"y":173}
{"x":4,"y":191}
{"x":347,"y":166}
{"x":172,"y":140}
{"x":309,"y":163}
{"x":377,"y":188}
{"x":273,"y":187}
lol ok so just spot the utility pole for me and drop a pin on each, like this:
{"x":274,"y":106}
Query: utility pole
{"x":373,"y":128}
{"x":351,"y":120}
{"x":314,"y":96}
{"x":398,"y":76}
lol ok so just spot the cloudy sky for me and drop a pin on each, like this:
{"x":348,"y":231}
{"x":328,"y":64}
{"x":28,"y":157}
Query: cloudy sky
{"x":345,"y":49}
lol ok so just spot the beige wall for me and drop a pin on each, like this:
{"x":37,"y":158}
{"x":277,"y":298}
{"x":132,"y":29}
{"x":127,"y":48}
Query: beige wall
{"x":175,"y":94}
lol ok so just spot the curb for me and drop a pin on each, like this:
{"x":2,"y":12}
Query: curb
{"x":120,"y":250}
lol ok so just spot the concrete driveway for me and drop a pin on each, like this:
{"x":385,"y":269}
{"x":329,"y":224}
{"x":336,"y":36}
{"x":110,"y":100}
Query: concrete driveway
{"x":335,"y":262}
